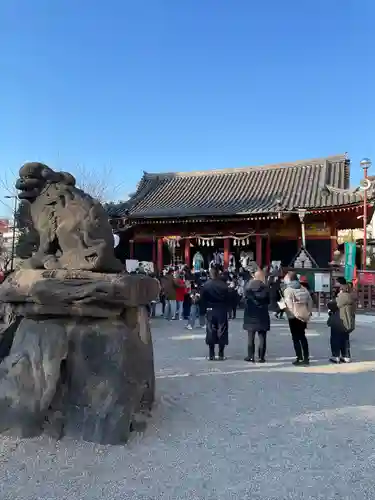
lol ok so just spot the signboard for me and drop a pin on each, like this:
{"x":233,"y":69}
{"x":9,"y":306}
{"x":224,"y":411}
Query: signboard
{"x":366,"y":278}
{"x":322,"y":282}
{"x":318,"y":229}
{"x":131,"y":265}
{"x":350,"y":251}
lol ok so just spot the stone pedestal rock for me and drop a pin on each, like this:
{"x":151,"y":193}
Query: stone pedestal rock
{"x":77,"y":358}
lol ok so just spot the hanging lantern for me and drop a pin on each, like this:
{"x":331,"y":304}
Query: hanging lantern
{"x":212,"y":243}
{"x":202,"y":243}
{"x":177,"y":243}
{"x":247,"y":241}
{"x":243,"y":243}
{"x":199,"y":242}
{"x":234,"y":242}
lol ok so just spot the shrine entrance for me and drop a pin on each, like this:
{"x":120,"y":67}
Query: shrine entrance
{"x":231,"y":252}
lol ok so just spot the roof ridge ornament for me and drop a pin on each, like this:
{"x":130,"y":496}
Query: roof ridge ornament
{"x":328,"y":189}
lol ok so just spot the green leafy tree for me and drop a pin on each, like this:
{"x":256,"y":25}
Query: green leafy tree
{"x":28,"y":239}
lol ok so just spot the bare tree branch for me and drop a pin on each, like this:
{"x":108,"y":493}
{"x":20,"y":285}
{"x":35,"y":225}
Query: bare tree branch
{"x":6,"y":205}
{"x":8,"y":185}
{"x":96,"y":184}
{"x":5,"y":256}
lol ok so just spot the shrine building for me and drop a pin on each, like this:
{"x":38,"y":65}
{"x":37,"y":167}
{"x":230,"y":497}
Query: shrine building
{"x":266,"y":211}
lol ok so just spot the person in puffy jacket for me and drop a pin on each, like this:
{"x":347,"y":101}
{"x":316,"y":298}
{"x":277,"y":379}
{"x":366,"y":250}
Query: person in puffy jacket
{"x":169,"y":287}
{"x":299,"y":306}
{"x":180,"y":295}
{"x":342,"y":322}
{"x":256,"y":315}
{"x":214,"y":304}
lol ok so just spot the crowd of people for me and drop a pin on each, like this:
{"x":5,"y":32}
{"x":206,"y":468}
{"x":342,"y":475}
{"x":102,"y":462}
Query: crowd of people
{"x":210,"y":299}
{"x":180,"y":295}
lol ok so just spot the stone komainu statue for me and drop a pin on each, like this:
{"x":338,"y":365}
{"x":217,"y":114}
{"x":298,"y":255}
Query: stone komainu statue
{"x":73,"y":228}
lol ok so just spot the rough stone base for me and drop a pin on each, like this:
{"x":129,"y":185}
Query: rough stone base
{"x":29,"y":375}
{"x":83,"y":377}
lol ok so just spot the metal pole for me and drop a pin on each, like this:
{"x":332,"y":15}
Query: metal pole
{"x":14,"y":233}
{"x":318,"y":303}
{"x":364,"y":257}
{"x":365,"y":164}
{"x":302,"y":214}
{"x":303,"y":234}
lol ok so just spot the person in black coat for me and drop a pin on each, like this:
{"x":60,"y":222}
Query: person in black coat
{"x":276,"y":295}
{"x":256,"y":316}
{"x":214,"y":303}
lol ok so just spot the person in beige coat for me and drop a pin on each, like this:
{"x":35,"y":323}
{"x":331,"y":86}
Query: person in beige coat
{"x":299,"y":306}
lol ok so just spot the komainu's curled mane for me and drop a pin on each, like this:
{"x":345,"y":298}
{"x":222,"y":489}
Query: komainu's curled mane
{"x":73,"y":228}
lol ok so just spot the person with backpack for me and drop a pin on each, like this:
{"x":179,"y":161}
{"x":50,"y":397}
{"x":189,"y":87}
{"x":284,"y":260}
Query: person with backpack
{"x":341,"y":321}
{"x":298,"y":307}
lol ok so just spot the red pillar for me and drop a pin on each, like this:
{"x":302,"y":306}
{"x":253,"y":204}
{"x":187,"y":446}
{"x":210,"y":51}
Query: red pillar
{"x":154,"y":260}
{"x":160,"y":255}
{"x":268,"y":251}
{"x":226,"y":252}
{"x":258,"y":249}
{"x":131,"y":249}
{"x":187,"y":252}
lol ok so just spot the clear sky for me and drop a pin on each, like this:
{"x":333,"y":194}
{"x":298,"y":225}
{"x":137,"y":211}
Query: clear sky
{"x":165,"y":85}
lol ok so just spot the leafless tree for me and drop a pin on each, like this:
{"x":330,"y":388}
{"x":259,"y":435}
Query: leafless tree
{"x":7,"y":186}
{"x":97,"y":184}
{"x":5,"y":257}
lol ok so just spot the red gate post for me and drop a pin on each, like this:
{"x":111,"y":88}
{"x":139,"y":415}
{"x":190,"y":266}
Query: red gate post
{"x":258,"y":250}
{"x":187,"y":252}
{"x":160,"y":255}
{"x":226,"y":253}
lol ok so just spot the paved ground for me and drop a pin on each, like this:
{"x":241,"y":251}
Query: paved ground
{"x":225,"y":430}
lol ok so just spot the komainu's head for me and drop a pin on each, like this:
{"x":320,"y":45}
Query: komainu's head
{"x":35,"y":176}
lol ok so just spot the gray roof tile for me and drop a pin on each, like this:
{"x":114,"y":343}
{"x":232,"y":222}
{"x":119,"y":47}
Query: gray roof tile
{"x":240,"y":191}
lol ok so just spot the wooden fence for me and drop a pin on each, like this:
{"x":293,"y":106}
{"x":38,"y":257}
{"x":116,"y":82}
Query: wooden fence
{"x":365,"y":295}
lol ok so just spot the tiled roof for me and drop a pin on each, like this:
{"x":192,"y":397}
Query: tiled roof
{"x":240,"y":191}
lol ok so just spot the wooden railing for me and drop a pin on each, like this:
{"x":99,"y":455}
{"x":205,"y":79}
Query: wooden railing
{"x":365,"y":295}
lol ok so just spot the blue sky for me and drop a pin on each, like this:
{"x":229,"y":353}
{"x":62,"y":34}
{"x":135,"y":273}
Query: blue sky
{"x":164,"y":85}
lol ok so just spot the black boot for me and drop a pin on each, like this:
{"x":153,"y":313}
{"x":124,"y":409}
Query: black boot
{"x":221,"y":354}
{"x":297,"y":362}
{"x":262,"y":356}
{"x":212,"y":353}
{"x":250,"y":355}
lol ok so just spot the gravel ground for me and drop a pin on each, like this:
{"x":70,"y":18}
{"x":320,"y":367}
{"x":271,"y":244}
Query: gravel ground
{"x":224,"y":431}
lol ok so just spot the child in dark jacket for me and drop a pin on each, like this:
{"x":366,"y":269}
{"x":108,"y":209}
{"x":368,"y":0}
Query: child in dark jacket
{"x":194,"y":309}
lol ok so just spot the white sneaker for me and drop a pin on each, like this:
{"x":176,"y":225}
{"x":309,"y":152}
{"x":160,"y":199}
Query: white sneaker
{"x":345,"y":360}
{"x":333,"y":359}
{"x":189,"y":327}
